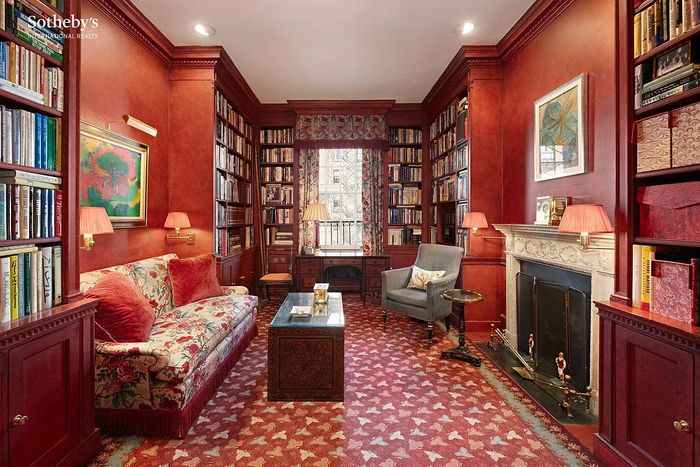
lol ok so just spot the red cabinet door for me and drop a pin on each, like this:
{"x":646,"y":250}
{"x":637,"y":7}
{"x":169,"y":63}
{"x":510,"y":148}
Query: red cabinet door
{"x":654,"y":389}
{"x":44,"y":385}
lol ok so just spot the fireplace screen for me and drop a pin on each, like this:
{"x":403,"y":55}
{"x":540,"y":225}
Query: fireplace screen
{"x":558,"y":318}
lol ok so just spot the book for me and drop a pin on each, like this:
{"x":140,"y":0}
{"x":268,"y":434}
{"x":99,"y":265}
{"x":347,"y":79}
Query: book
{"x":672,"y":85}
{"x":14,"y":288}
{"x":648,"y":255}
{"x":57,"y":275}
{"x":28,"y":177}
{"x":34,"y":279}
{"x":47,"y":270}
{"x":3,"y":211}
{"x":672,"y":92}
{"x":636,"y":275}
{"x":5,"y":289}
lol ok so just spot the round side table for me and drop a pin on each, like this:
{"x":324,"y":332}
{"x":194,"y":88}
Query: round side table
{"x":464,"y":297}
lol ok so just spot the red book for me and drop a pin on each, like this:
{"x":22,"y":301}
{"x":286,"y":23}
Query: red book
{"x":58,"y":213}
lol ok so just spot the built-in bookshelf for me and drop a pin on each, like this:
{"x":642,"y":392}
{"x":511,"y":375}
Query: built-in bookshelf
{"x":233,"y":171}
{"x":31,"y":160}
{"x":278,"y":195}
{"x":404,"y":181}
{"x":449,"y":170}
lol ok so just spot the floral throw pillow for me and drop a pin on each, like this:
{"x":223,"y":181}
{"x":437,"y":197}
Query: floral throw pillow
{"x":421,"y":277}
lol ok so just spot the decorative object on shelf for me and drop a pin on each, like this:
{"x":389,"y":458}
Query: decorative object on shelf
{"x":113,"y":175}
{"x":177,"y":221}
{"x":273,"y":193}
{"x":585,"y":219}
{"x":93,"y":221}
{"x":550,"y":209}
{"x":476,"y":221}
{"x":139,"y":125}
{"x":672,"y":60}
{"x":321,"y":292}
{"x":685,"y":137}
{"x":560,"y":131}
{"x":314,"y":213}
{"x":653,"y":138}
{"x":670,"y":211}
{"x":674,"y":290}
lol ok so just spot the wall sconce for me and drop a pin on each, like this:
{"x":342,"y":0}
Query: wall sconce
{"x":93,"y":221}
{"x":476,"y":221}
{"x":177,"y":221}
{"x":585,"y":219}
{"x":139,"y":125}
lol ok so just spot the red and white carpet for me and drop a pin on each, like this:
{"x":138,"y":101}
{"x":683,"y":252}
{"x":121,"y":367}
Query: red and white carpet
{"x":403,"y":407}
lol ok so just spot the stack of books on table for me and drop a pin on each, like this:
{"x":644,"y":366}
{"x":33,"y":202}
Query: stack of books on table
{"x":649,"y":91}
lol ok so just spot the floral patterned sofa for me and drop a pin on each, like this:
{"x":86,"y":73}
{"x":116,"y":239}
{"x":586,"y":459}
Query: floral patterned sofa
{"x":158,"y":387}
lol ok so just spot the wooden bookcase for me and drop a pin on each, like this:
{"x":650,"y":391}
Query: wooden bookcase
{"x":59,"y":337}
{"x":405,"y":198}
{"x":648,"y":363}
{"x":278,"y":197}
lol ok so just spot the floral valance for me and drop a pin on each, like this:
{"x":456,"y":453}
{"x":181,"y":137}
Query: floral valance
{"x":361,"y":131}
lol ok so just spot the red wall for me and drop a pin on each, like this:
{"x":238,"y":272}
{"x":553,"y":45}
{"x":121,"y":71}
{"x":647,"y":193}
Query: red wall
{"x":119,"y":77}
{"x":581,"y":39}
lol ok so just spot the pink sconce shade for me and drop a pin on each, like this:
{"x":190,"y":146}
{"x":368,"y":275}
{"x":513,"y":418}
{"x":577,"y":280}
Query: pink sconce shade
{"x":177,"y":220}
{"x":94,"y":221}
{"x":475,"y":220}
{"x":586,"y":218}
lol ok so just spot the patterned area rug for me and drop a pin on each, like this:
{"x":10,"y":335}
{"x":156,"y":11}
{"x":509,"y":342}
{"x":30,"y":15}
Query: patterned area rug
{"x":403,"y":407}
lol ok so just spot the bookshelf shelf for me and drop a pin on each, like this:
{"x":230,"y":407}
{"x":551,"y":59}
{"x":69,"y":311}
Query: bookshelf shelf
{"x":26,"y":168}
{"x":276,"y":145}
{"x":6,"y":36}
{"x":278,"y":183}
{"x":661,"y":242}
{"x":30,"y":241}
{"x":668,"y":45}
{"x":27,"y":104}
{"x":691,"y":170}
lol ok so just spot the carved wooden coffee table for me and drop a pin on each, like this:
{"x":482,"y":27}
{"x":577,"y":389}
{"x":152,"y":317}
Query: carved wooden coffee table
{"x":305,"y":355}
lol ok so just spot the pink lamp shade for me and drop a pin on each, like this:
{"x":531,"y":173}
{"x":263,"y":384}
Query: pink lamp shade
{"x":177,"y":220}
{"x":475,"y":220}
{"x":315,"y":212}
{"x":94,"y":221}
{"x":590,"y":218}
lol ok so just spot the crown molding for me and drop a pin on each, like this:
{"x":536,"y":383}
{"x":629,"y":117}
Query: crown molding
{"x":342,"y":107}
{"x":406,"y":114}
{"x":276,"y":115}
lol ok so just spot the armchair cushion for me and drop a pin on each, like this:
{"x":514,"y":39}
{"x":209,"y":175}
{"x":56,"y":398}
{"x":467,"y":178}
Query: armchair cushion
{"x":421,"y":277}
{"x":415,"y":297}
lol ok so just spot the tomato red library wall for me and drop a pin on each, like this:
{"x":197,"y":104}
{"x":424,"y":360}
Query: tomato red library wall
{"x":119,"y":76}
{"x":580,"y":40}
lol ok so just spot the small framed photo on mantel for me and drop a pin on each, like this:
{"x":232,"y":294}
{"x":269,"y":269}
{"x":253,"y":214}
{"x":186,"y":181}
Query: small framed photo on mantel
{"x":560,"y":131}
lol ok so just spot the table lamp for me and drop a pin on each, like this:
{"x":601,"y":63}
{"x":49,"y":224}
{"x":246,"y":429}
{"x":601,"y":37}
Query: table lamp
{"x":314,"y":213}
{"x":93,"y":221}
{"x":585,"y":219}
{"x":476,"y":221}
{"x":177,"y":221}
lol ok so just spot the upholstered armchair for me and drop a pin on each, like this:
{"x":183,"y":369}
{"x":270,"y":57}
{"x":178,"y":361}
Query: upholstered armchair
{"x":425,"y":305}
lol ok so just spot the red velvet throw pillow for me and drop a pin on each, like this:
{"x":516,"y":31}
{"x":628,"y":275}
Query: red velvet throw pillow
{"x":193,"y":279}
{"x":123,"y":313}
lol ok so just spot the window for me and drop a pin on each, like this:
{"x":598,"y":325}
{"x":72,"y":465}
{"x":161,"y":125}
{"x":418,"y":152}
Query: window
{"x":340,"y":189}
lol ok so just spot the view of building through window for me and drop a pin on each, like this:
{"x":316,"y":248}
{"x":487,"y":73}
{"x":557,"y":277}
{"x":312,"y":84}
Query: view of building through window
{"x":340,"y":189}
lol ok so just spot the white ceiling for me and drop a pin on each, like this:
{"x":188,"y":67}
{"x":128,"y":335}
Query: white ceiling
{"x":332,"y":49}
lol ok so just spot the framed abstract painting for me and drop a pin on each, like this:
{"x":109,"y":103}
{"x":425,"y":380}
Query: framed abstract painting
{"x":113,"y":175}
{"x":560,"y":129}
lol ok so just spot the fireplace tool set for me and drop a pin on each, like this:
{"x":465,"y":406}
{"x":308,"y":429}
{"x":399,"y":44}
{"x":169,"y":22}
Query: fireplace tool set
{"x":570,"y":394}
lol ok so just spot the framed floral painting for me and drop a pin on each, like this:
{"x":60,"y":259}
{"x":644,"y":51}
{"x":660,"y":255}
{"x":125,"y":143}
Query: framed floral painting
{"x":560,"y":129}
{"x":113,"y":175}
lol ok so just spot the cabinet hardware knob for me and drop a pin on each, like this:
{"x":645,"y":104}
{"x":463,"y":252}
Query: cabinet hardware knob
{"x":242,"y":277}
{"x":20,"y":420}
{"x":682,"y":426}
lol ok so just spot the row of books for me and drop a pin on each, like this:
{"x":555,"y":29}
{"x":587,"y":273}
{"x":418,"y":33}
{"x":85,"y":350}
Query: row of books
{"x":277,"y":216}
{"x":276,"y":174}
{"x":462,"y":209}
{"x":29,"y":212}
{"x":463,"y":185}
{"x":30,"y":280}
{"x":226,"y":112}
{"x":404,"y":236}
{"x":402,"y":173}
{"x":648,"y":91}
{"x":227,"y":188}
{"x":233,"y":140}
{"x":462,"y":240}
{"x":22,"y":72}
{"x":232,"y":162}
{"x":20,"y":18}
{"x":443,"y":143}
{"x":227,"y":242}
{"x":31,"y":139}
{"x":273,"y":193}
{"x":452,"y":162}
{"x":444,"y":189}
{"x":443,"y":121}
{"x":663,"y":21}
{"x":277,"y":136}
{"x":277,"y":155}
{"x":275,"y":236}
{"x":227,"y":216}
{"x":399,"y":194}
{"x":405,"y":216}
{"x":405,"y":155}
{"x":405,"y":136}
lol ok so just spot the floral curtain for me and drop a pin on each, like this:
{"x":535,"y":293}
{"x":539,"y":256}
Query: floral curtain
{"x":332,"y":131}
{"x":308,"y":194}
{"x":372,"y":199}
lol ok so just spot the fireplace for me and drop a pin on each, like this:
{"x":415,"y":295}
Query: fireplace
{"x":553,"y":305}
{"x":535,"y":246}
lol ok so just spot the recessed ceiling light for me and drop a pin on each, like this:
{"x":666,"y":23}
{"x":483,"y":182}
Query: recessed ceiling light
{"x":464,"y":28}
{"x":204,"y":29}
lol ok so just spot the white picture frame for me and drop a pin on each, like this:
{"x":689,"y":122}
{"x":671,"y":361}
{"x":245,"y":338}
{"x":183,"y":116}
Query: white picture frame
{"x":560,"y":131}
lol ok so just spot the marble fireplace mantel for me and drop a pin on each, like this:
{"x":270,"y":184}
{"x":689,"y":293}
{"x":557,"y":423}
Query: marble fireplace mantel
{"x":546,"y":245}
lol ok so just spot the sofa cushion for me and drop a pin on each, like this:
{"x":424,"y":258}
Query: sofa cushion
{"x":413,"y":297}
{"x":193,"y":279}
{"x":123,"y":313}
{"x":151,"y":277}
